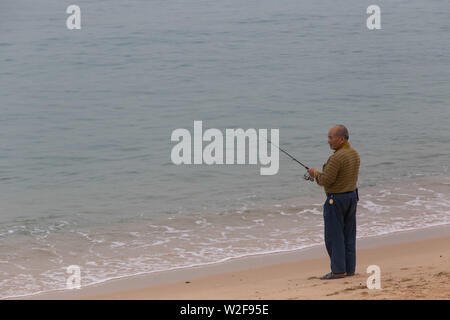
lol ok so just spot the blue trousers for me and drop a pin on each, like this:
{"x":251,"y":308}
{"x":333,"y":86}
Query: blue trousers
{"x":340,"y":231}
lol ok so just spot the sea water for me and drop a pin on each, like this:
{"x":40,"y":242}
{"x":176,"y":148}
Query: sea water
{"x":87,"y":115}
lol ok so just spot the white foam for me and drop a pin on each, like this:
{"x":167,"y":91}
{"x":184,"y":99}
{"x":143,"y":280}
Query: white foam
{"x":313,"y":211}
{"x":183,"y":243}
{"x":117,"y":244}
{"x":369,"y":205}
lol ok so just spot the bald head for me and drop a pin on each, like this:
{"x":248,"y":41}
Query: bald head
{"x":337,"y":136}
{"x":341,"y":131}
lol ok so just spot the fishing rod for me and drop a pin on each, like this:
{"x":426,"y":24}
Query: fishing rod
{"x":306,"y":176}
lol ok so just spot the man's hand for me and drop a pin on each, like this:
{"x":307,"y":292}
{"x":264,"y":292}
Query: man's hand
{"x":311,"y":171}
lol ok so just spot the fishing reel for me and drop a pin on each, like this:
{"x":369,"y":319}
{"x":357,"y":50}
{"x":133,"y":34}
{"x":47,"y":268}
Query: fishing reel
{"x":308,"y":177}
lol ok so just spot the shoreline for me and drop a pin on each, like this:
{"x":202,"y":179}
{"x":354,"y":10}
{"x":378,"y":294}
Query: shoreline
{"x":173,"y":284}
{"x":370,"y":226}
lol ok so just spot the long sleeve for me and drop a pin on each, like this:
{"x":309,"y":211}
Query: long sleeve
{"x":330,"y":172}
{"x":340,"y":173}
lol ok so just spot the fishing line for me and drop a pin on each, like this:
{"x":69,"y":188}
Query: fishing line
{"x":306,"y":176}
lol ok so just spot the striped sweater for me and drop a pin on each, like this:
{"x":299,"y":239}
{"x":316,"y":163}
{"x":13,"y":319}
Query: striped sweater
{"x":340,"y":173}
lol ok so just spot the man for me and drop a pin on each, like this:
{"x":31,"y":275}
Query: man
{"x":339,"y":178}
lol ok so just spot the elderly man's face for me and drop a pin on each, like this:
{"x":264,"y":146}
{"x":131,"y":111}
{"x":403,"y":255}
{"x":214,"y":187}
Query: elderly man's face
{"x":334,"y":140}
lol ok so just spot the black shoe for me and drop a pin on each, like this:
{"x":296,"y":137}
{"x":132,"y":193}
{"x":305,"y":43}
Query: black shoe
{"x":331,"y":275}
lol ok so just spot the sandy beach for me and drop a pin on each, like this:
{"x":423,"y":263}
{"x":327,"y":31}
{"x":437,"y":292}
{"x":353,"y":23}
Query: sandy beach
{"x":158,"y":151}
{"x":413,"y":264}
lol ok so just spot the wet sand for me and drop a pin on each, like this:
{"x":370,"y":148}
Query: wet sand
{"x":413,"y":264}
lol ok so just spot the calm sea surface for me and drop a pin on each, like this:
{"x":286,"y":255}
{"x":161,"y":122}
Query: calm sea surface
{"x":86,"y":118}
